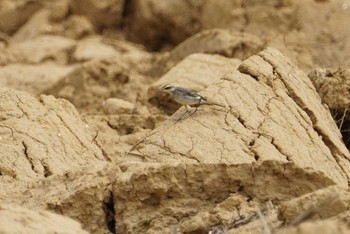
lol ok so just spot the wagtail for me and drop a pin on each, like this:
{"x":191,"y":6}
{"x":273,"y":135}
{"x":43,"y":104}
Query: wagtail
{"x":186,"y":97}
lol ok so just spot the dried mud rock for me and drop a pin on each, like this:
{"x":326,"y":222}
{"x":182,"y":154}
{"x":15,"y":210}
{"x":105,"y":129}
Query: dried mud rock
{"x":268,"y":101}
{"x":196,"y":72}
{"x":117,"y":106}
{"x":32,"y":78}
{"x":41,"y":49}
{"x":42,"y":137}
{"x":14,"y":219}
{"x":97,"y":80}
{"x":321,"y":204}
{"x":37,"y":50}
{"x":39,"y":23}
{"x":159,"y":21}
{"x":117,"y":133}
{"x":333,"y":86}
{"x":272,"y":139}
{"x":93,"y":48}
{"x":101,"y":13}
{"x":216,"y":41}
{"x":198,"y":196}
{"x":83,"y":194}
{"x":14,"y":13}
{"x":307,"y":100}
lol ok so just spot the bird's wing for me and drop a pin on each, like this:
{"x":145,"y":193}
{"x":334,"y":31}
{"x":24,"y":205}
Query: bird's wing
{"x":190,"y":93}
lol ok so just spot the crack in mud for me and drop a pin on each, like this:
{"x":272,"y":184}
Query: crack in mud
{"x":26,"y":154}
{"x":67,"y":126}
{"x":109,"y":211}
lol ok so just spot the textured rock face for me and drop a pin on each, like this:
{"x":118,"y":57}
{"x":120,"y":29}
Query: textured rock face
{"x":42,"y":137}
{"x":85,"y":132}
{"x":197,"y":196}
{"x":265,"y":85}
{"x":83,"y":194}
{"x":49,"y":152}
{"x":271,"y":127}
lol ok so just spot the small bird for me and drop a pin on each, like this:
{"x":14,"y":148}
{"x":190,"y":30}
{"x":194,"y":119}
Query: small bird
{"x":185,"y":97}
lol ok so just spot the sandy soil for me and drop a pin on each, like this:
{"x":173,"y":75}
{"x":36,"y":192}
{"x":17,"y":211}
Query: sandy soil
{"x":89,"y":144}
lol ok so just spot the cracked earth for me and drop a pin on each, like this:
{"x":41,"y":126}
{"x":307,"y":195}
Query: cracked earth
{"x":89,"y":144}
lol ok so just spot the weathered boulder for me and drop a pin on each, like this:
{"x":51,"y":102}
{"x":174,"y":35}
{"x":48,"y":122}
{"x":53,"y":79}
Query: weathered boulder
{"x":271,"y":139}
{"x":83,"y":194}
{"x":50,"y":160}
{"x":42,"y":137}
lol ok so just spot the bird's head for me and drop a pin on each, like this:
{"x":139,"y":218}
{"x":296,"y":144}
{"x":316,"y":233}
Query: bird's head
{"x":168,"y":89}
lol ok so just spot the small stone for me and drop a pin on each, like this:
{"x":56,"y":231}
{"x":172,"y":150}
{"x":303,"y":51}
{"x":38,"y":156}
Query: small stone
{"x":117,"y":106}
{"x":93,"y":48}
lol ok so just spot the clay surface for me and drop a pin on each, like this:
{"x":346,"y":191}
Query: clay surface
{"x":90,"y":144}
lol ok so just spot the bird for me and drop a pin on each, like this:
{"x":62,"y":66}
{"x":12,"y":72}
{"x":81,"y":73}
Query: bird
{"x":185,"y":97}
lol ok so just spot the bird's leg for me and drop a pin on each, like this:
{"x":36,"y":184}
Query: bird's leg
{"x":183,"y":114}
{"x":195,"y":110}
{"x":197,"y":105}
